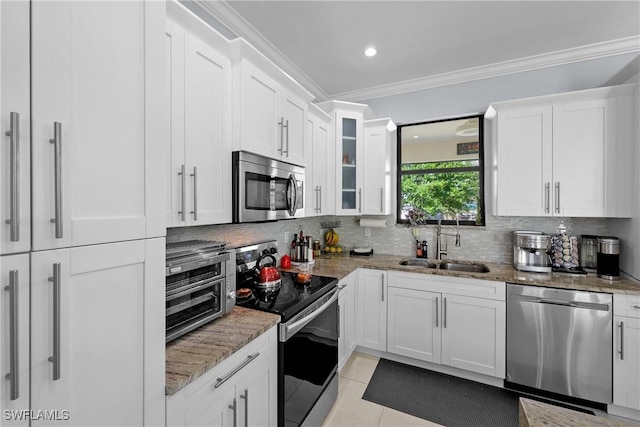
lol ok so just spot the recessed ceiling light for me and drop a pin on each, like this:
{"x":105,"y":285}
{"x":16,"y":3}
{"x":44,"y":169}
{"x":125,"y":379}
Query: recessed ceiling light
{"x":371,"y":51}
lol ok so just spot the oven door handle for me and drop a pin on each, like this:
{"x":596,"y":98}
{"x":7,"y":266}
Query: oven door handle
{"x":288,"y":330}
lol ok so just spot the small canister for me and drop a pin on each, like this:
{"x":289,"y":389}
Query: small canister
{"x":608,"y":264}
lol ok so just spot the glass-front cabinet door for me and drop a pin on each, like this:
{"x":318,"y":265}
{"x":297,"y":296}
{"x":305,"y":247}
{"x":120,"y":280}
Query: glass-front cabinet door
{"x":349,"y":132}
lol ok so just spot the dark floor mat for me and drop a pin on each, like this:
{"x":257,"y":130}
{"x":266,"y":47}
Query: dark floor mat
{"x":441,"y":398}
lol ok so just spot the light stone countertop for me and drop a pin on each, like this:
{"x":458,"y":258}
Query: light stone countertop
{"x":193,"y":354}
{"x":340,"y":266}
{"x":538,"y":414}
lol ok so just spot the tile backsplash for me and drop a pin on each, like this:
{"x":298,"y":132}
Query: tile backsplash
{"x":491,"y":243}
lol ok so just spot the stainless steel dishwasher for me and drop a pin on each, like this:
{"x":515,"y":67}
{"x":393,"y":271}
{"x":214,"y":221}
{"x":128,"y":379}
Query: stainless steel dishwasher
{"x":560,"y":341}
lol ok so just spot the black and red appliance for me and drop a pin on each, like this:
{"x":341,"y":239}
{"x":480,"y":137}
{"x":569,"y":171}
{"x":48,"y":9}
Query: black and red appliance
{"x":307,"y":389}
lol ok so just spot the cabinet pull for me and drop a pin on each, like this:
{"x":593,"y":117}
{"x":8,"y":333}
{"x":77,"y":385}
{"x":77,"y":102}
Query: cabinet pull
{"x":637,"y":307}
{"x":245,"y":362}
{"x":245,"y":396}
{"x":359,"y":199}
{"x":195,"y":193}
{"x":57,"y":167}
{"x":437,"y":311}
{"x":234,"y":406}
{"x":547,"y":193}
{"x":286,"y":152}
{"x":14,"y":180}
{"x":444,"y":314}
{"x":183,"y":198}
{"x":14,"y":335}
{"x":621,"y":351}
{"x":557,"y":188}
{"x":382,"y":287}
{"x":317,"y":191}
{"x":320,"y":202}
{"x":381,"y":200}
{"x":338,"y":319}
{"x":55,"y":359}
{"x":281,"y":124}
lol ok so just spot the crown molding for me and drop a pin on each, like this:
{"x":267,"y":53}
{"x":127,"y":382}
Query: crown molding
{"x":551,"y":59}
{"x":225,"y":14}
{"x":228,"y":16}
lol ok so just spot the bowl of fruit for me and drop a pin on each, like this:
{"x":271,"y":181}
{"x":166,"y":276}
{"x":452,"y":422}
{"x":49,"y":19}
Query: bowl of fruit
{"x":331,"y":242}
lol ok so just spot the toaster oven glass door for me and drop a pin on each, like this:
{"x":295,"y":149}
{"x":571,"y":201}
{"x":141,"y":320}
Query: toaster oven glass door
{"x":193,"y":298}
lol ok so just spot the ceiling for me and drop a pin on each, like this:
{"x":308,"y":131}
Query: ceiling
{"x":321,"y":43}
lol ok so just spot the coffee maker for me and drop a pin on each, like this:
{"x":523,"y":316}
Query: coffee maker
{"x":531,"y":251}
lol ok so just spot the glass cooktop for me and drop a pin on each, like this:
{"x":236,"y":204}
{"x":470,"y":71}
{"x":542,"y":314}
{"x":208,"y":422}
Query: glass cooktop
{"x":290,"y":297}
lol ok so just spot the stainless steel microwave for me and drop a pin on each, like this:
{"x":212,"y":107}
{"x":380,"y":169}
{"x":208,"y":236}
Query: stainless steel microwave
{"x":266,"y":189}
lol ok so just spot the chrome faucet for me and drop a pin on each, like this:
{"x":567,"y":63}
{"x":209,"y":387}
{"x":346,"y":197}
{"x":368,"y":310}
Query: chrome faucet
{"x":439,"y":250}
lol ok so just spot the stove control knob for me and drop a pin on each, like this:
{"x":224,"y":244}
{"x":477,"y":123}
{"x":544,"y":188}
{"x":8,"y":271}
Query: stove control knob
{"x":231,"y":295}
{"x":265,"y":252}
{"x":274,"y":251}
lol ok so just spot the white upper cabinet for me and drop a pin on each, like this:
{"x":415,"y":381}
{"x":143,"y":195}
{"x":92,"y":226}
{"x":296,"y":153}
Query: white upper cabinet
{"x":270,"y":109}
{"x":563,"y":155}
{"x":97,"y":105}
{"x":378,"y":168}
{"x":199,"y":85}
{"x":320,"y":170}
{"x":15,"y":182}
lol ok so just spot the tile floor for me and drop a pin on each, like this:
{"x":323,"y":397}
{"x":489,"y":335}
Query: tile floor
{"x":351,"y":410}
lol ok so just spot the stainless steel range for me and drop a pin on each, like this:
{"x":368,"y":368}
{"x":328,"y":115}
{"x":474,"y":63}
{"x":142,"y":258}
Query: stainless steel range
{"x":200,"y":285}
{"x":309,"y":328}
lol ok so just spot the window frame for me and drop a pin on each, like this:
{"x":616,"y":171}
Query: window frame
{"x":481,"y":171}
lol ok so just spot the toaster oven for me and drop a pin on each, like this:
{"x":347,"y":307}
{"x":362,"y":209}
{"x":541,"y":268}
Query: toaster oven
{"x":200,"y":285}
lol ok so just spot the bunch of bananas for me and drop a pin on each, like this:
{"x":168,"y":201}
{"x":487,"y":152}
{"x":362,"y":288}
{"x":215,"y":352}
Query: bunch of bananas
{"x":331,"y":240}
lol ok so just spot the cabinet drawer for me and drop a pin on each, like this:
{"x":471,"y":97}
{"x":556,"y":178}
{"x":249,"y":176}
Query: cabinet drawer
{"x":626,"y":305}
{"x":448,"y":284}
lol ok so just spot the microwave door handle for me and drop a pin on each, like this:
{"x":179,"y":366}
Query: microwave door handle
{"x":293,"y":206}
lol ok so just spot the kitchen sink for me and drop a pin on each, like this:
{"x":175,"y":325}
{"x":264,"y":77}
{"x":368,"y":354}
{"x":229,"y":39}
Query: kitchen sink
{"x":446,"y":265}
{"x":471,"y":268}
{"x":418,"y":262}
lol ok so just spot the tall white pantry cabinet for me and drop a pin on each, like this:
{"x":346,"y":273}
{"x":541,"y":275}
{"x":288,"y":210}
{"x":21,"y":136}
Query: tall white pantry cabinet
{"x":82,"y":321}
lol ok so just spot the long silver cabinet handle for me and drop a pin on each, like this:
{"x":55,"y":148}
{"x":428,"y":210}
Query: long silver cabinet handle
{"x":195,"y":193}
{"x":382,"y":285}
{"x":14,"y":334}
{"x":281,"y":124}
{"x":14,"y":180}
{"x":621,"y":351}
{"x":183,"y":197}
{"x":286,"y":152}
{"x":360,"y":200}
{"x":547,"y":195}
{"x":557,"y":187}
{"x":444,"y":313}
{"x":245,"y":396}
{"x":437,"y":311}
{"x":55,"y":359}
{"x":57,"y":167}
{"x":234,"y":406}
{"x":381,"y":199}
{"x":245,"y":362}
{"x":320,"y":203}
{"x":317,"y":191}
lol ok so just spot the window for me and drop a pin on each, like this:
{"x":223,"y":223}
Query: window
{"x":440,"y":172}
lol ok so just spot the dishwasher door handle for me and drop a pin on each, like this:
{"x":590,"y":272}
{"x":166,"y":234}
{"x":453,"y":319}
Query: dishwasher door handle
{"x":564,"y":303}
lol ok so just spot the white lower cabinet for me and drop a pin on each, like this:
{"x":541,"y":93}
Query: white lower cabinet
{"x":626,"y":352}
{"x":347,"y":313}
{"x":371,"y":322}
{"x":240,"y":391}
{"x":97,"y":335}
{"x":14,"y":340}
{"x":447,"y":320}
